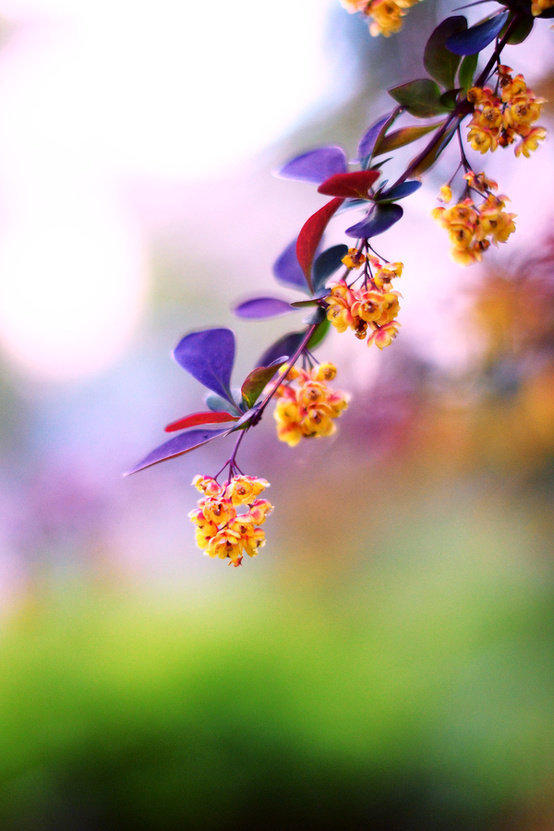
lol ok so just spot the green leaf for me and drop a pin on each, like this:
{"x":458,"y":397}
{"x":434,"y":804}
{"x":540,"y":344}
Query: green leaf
{"x":399,"y":138}
{"x":520,"y":31}
{"x":440,"y":63}
{"x":448,"y":99}
{"x":420,"y":97}
{"x":467,"y":71}
{"x":433,"y":153}
{"x":256,"y":381}
{"x":319,"y":335}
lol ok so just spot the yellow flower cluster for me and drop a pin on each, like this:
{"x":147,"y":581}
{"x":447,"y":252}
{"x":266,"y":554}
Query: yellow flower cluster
{"x":372,"y":308}
{"x":220,"y":530}
{"x":540,"y":6}
{"x":307,"y":410}
{"x":385,"y":16}
{"x":472,"y":227}
{"x":500,"y":121}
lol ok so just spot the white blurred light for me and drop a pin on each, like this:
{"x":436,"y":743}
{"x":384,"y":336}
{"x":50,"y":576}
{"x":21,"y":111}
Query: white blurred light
{"x":95,"y":95}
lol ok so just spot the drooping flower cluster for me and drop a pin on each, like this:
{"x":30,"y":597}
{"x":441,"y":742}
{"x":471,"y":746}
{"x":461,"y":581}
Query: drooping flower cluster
{"x":473,"y":227}
{"x":371,"y":308}
{"x":385,"y":16}
{"x":221,"y":531}
{"x":307,"y":409}
{"x":540,"y":6}
{"x":501,"y":121}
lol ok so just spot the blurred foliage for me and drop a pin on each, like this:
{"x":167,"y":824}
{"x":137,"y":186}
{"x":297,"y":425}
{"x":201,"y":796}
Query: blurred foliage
{"x":412,"y":694}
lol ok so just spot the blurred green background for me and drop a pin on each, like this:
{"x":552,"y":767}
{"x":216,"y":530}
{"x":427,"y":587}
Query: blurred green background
{"x":387,"y":661}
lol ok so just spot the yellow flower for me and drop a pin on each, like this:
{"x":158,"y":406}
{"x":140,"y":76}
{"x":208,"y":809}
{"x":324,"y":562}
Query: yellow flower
{"x":482,"y":139}
{"x":218,"y":510}
{"x":242,"y":490}
{"x":384,"y":335}
{"x":354,"y":258}
{"x":531,"y":141}
{"x":387,"y":18}
{"x":223,"y":533}
{"x":207,"y":485}
{"x":445,"y":193}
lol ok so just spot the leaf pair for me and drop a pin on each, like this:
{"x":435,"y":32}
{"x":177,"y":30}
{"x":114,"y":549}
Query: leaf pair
{"x":209,"y":356}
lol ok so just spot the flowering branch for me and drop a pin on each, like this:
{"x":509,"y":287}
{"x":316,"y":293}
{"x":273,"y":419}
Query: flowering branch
{"x":362,"y":298}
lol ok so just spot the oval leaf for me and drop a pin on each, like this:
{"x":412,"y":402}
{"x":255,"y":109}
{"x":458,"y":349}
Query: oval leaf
{"x":399,"y":138}
{"x":217,"y":404}
{"x":208,"y":356}
{"x":372,"y":135}
{"x":380,"y":220}
{"x":476,"y":37}
{"x":354,"y":185}
{"x":319,"y":334}
{"x":286,"y":268}
{"x":282,"y":348}
{"x":327,"y":263}
{"x":440,"y":62}
{"x":315,"y":165}
{"x":256,"y":381}
{"x":310,"y":236}
{"x":420,"y":165}
{"x":521,"y":30}
{"x":260,"y":307}
{"x":398,"y":192}
{"x":176,"y":446}
{"x":195,"y":419}
{"x":467,"y":71}
{"x":420,"y":97}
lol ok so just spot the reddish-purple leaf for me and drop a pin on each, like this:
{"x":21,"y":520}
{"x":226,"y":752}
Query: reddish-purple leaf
{"x":208,"y":356}
{"x":259,"y":307}
{"x":195,"y":419}
{"x":315,"y":165}
{"x":310,"y":236}
{"x":354,"y":185}
{"x":183,"y":443}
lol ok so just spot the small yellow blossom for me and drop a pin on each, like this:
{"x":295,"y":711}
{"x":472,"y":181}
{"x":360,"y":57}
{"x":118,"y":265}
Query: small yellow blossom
{"x":354,"y":258}
{"x":307,"y":410}
{"x":498,"y":122}
{"x":221,"y":532}
{"x":531,"y":141}
{"x":471,"y":227}
{"x":369,"y":307}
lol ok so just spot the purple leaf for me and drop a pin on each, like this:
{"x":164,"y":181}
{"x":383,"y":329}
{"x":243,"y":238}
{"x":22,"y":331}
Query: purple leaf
{"x":477,"y":37}
{"x":282,"y":349}
{"x":326,"y":264}
{"x":398,"y":192}
{"x":183,"y":443}
{"x":287,"y":269}
{"x":369,"y":138}
{"x":208,"y":356}
{"x":259,"y":307}
{"x":315,"y":165}
{"x":376,"y":222}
